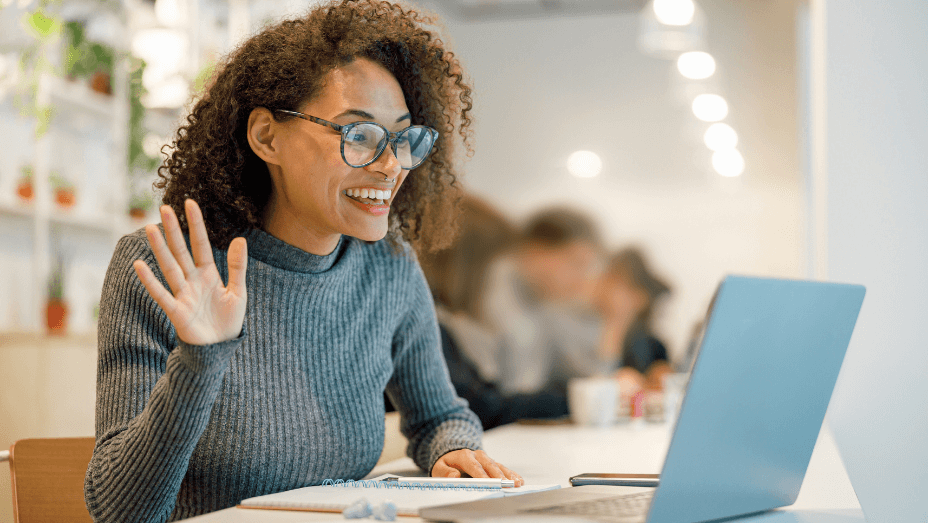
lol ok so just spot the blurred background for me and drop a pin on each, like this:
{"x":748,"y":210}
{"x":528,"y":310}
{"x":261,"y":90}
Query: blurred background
{"x":676,"y":127}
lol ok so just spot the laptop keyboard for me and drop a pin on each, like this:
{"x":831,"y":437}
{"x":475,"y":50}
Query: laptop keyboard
{"x":626,"y":506}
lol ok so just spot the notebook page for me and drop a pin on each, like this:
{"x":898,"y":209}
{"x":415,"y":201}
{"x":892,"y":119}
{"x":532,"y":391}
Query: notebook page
{"x":335,"y":499}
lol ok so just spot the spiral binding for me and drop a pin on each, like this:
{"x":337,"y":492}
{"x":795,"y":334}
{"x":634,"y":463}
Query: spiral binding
{"x":369,"y":483}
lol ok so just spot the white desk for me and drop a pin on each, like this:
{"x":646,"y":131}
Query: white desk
{"x":553,"y":453}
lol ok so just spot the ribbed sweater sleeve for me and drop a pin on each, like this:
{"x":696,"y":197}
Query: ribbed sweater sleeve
{"x":155,"y":394}
{"x":434,"y":419}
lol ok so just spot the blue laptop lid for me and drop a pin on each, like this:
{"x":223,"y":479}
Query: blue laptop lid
{"x":756,"y":398}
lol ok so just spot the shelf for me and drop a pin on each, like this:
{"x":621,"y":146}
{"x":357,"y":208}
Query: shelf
{"x":19,"y":209}
{"x":94,"y":223}
{"x":62,"y":218}
{"x":41,"y":339}
{"x":78,"y":96}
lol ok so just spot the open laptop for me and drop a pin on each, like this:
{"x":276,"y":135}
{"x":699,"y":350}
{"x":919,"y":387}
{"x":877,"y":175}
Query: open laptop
{"x":754,"y":405}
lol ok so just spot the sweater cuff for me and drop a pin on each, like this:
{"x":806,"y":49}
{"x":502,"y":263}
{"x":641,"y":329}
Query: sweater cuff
{"x":208,"y":358}
{"x":450,"y":436}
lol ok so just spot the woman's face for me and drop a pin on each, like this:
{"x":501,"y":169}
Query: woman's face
{"x":310,"y":206}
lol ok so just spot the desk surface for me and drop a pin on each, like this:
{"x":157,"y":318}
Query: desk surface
{"x":553,"y":453}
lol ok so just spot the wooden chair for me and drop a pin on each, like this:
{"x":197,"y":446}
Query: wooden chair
{"x":48,"y":479}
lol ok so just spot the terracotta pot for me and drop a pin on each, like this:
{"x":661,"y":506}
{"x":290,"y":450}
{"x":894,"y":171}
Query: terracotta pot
{"x":24,"y":190}
{"x":64,"y":197}
{"x":56,"y":316}
{"x":138,"y":214}
{"x":100,"y":82}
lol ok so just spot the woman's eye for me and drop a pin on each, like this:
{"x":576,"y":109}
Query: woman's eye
{"x":356,"y":138}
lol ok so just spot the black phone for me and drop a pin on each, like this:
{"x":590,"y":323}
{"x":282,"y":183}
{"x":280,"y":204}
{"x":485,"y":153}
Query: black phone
{"x":620,"y":480}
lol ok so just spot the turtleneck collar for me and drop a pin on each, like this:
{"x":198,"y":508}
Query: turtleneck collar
{"x":278,"y":253}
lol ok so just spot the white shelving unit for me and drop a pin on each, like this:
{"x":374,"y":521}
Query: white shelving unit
{"x":86,"y":143}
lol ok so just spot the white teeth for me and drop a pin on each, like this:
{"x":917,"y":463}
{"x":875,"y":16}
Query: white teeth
{"x":373,"y":194}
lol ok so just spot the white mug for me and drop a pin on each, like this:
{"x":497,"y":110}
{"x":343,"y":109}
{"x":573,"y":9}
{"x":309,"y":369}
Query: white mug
{"x":592,"y":401}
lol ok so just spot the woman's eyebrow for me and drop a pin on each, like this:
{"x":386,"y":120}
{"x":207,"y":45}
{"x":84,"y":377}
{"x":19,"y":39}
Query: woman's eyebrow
{"x":368,"y":116}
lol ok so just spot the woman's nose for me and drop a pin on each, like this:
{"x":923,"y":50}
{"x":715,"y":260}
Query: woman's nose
{"x":388,"y":164}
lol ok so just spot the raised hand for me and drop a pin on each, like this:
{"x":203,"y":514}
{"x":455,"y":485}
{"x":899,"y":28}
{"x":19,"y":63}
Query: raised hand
{"x":202,"y":310}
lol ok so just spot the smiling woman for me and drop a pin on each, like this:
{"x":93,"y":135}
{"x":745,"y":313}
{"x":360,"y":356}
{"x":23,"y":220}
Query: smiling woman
{"x":245,"y":345}
{"x":285,"y":68}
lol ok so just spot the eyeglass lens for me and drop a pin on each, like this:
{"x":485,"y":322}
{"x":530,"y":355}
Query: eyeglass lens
{"x":363,"y":142}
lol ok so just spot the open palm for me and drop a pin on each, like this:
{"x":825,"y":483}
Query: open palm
{"x":202,"y":309}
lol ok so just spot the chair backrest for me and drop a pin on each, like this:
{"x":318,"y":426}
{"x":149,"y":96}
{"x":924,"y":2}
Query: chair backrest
{"x":48,"y":479}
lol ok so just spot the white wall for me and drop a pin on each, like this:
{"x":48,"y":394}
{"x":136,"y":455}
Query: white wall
{"x":547,"y":87}
{"x":874,"y":154}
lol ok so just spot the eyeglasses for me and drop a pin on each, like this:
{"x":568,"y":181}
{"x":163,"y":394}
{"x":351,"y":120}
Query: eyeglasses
{"x":364,"y":142}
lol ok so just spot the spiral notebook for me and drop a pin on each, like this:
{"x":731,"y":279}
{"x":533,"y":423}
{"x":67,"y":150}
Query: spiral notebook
{"x":335,"y":496}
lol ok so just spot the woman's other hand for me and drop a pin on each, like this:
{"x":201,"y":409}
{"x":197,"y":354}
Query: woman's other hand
{"x":202,"y":310}
{"x":631,"y":382}
{"x":474,"y":463}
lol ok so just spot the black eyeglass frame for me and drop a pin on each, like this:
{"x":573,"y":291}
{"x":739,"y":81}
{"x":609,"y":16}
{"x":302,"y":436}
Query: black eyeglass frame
{"x":392,"y":138}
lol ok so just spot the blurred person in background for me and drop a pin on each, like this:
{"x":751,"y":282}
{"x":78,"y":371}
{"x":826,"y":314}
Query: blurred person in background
{"x":458,"y":277}
{"x":537,"y":299}
{"x":245,"y":345}
{"x":626,"y":297}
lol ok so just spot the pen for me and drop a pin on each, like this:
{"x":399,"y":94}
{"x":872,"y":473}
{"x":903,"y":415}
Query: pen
{"x":464,"y":482}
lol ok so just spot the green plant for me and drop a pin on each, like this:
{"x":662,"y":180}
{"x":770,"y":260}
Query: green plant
{"x":44,"y":29}
{"x":141,"y":200}
{"x":82,"y":57}
{"x":56,"y":282}
{"x":59,"y":182}
{"x":138,"y":159}
{"x":25,"y":172}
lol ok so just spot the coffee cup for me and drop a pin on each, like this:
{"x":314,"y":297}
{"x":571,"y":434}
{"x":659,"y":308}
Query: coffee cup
{"x":593,"y":401}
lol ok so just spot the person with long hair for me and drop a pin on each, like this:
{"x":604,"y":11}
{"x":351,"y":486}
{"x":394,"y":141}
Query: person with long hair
{"x":627,"y":296}
{"x":246,"y":343}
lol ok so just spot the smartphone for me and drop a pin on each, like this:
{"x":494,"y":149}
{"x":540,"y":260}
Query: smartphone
{"x":621,"y":480}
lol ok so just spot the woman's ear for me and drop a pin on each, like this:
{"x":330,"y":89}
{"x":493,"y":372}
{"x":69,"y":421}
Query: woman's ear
{"x":261,"y":129}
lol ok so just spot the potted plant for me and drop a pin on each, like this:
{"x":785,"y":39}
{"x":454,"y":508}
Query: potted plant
{"x":64,"y":190}
{"x":139,"y":205}
{"x":24,"y":185}
{"x":56,"y":309}
{"x":101,"y":79}
{"x":93,"y":61}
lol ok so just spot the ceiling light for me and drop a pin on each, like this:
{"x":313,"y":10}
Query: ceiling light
{"x":584,"y":164}
{"x":674,"y":12}
{"x":728,"y":162}
{"x":696,"y":65}
{"x":710,"y":107}
{"x":720,"y":136}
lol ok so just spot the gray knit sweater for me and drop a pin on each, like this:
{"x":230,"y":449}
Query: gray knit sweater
{"x":297,"y":398}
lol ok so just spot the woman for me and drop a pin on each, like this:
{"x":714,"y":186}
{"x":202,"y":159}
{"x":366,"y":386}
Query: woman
{"x":627,"y":296}
{"x":258,"y":363}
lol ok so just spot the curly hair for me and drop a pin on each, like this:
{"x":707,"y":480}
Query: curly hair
{"x":283,"y":67}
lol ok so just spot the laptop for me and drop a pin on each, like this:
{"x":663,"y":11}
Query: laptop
{"x":753,"y":408}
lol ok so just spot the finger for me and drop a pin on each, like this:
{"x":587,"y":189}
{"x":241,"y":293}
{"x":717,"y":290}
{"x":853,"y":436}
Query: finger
{"x":162,"y":297}
{"x":238,"y":263}
{"x":166,"y":261}
{"x":467,"y":463}
{"x":489,"y":466}
{"x":512,"y":475}
{"x":175,"y":240}
{"x":199,"y":240}
{"x":441,"y":470}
